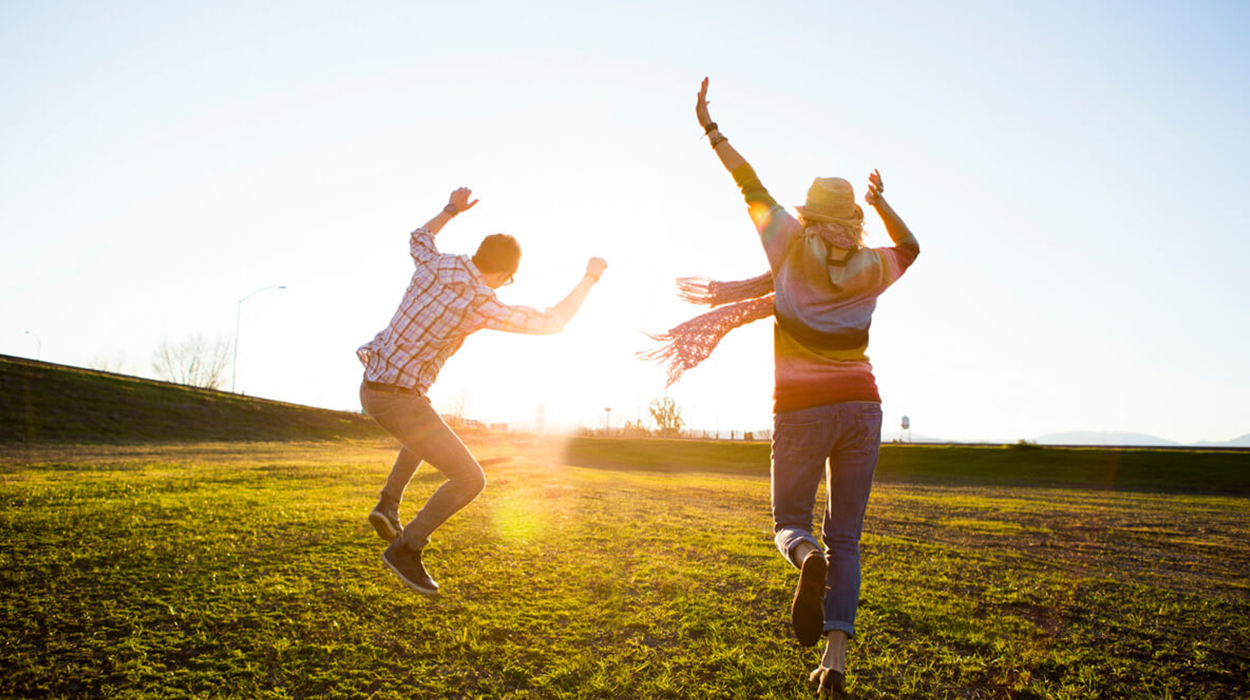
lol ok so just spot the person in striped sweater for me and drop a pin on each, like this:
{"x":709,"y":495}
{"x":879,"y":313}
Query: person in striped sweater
{"x":827,"y":410}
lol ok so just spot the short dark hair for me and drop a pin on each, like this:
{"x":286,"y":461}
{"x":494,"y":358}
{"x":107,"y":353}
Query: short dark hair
{"x":498,"y":252}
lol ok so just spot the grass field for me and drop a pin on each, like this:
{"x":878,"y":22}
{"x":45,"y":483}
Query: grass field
{"x":248,"y":571}
{"x":1222,"y":472}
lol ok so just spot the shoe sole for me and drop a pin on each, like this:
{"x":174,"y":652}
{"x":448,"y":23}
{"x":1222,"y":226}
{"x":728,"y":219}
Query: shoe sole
{"x":807,"y":612}
{"x":383,"y":526}
{"x":411,"y":584}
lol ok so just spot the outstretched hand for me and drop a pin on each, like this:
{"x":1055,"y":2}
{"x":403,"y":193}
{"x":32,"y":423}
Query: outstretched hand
{"x":700,"y":107}
{"x":568,"y":306}
{"x":460,"y":199}
{"x":875,"y":189}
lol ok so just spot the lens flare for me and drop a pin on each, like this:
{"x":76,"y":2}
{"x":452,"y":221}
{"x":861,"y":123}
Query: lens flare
{"x":520,"y":517}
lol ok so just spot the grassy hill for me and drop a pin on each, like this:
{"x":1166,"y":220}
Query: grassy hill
{"x":47,"y":403}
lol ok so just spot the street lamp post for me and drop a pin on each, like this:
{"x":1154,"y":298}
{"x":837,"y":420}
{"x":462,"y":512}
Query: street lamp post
{"x":38,"y":344}
{"x":238,"y":312}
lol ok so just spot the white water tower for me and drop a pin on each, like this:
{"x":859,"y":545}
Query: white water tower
{"x":907,"y":427}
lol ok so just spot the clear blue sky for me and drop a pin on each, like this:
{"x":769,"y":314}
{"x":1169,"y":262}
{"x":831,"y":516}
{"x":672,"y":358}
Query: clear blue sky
{"x":1076,"y":174}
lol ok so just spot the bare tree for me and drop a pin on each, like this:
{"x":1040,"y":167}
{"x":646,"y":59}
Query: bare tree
{"x":194,"y":361}
{"x":634,"y":429}
{"x":667,"y":416}
{"x":108,"y":363}
{"x":455,"y":410}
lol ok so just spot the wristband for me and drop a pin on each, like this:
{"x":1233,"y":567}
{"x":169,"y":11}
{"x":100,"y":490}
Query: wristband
{"x":451,"y":209}
{"x":720,"y":138}
{"x":711,"y":126}
{"x":593,"y":277}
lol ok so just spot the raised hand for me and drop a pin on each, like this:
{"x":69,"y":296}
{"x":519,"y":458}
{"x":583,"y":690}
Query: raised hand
{"x":700,"y":107}
{"x":567,"y":307}
{"x":460,"y":199}
{"x":875,"y":189}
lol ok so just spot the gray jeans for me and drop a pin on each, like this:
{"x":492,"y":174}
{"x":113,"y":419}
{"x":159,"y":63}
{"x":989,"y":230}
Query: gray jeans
{"x":840,"y":442}
{"x":424,"y":436}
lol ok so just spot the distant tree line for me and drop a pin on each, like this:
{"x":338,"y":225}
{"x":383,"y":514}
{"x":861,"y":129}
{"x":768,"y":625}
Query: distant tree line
{"x":666,"y":421}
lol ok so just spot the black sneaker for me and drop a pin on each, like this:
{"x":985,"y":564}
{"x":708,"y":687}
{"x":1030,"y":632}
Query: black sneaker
{"x":406,"y":563}
{"x":807,"y":612}
{"x":385,"y":519}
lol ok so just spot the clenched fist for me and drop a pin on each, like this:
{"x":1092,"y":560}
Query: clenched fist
{"x":596,"y":266}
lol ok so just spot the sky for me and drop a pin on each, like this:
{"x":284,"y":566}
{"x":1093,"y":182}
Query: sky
{"x":1075,"y":173}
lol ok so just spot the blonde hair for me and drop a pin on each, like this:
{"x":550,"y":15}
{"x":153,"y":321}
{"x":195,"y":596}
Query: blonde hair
{"x":848,"y":234}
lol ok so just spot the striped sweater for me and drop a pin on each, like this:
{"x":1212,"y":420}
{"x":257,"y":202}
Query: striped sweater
{"x":823,"y":307}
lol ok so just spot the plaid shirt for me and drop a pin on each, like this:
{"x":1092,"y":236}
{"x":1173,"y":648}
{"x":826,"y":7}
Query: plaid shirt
{"x":445,"y":302}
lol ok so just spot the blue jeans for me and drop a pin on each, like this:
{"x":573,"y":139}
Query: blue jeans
{"x":424,"y":436}
{"x":847,"y":438}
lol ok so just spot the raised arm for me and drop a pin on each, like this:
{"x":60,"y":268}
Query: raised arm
{"x":729,"y":156}
{"x":899,"y":233}
{"x":568,"y":306}
{"x":525,"y":319}
{"x":458,"y":202}
{"x":776,"y":227}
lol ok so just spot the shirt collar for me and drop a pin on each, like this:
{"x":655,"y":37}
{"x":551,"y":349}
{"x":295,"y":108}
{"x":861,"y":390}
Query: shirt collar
{"x":474,"y":273}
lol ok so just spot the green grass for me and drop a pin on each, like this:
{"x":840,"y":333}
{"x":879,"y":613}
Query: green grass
{"x":45,"y":403}
{"x":248,"y":571}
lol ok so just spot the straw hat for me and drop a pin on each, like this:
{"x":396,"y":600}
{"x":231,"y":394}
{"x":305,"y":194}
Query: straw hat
{"x":831,"y":199}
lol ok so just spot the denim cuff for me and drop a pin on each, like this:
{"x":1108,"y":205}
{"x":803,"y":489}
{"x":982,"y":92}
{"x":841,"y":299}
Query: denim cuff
{"x":788,"y":537}
{"x":849,"y":628}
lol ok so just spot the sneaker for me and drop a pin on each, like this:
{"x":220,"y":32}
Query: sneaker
{"x":406,"y":563}
{"x":386,"y":521}
{"x":807,"y":612}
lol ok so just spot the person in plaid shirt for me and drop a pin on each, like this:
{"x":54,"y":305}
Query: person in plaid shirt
{"x":449,"y":297}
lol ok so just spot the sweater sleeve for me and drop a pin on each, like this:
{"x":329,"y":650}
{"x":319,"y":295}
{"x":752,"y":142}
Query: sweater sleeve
{"x":777,"y":228}
{"x":752,"y":189}
{"x":894,"y":260}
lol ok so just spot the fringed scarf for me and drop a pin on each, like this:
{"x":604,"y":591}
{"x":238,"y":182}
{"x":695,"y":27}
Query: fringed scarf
{"x":684,"y":346}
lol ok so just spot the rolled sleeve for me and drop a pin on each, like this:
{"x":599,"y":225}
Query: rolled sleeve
{"x":909,"y":248}
{"x":894,"y":261}
{"x":421,"y":245}
{"x":520,"y":319}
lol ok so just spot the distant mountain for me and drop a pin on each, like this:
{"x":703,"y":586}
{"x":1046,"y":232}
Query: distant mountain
{"x":1087,"y":437}
{"x":1243,"y":441}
